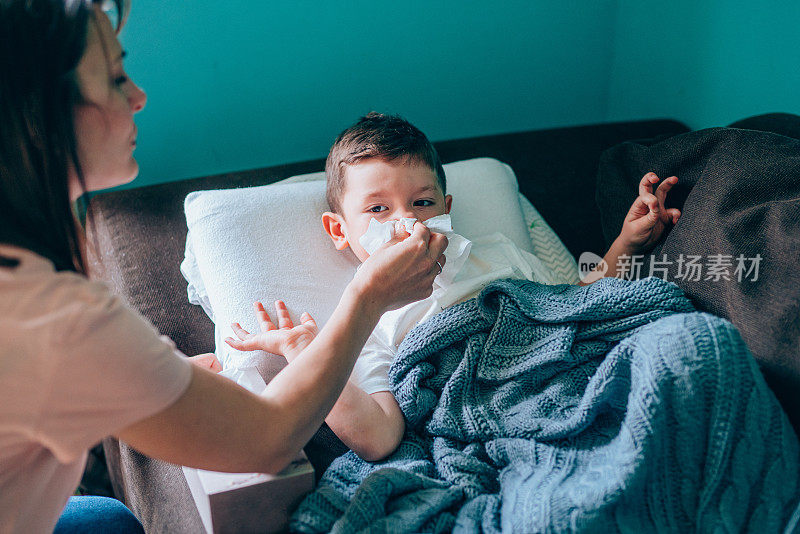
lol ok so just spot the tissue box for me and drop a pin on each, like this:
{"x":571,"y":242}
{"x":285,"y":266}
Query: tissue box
{"x":249,"y":502}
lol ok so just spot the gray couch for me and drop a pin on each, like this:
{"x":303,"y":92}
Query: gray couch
{"x":140,"y":237}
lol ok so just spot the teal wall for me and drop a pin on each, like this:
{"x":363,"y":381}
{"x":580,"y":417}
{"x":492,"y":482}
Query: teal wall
{"x":236,"y":85}
{"x":706,"y":62}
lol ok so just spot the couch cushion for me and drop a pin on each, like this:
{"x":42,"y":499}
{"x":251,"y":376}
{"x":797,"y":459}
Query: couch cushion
{"x":739,"y":191}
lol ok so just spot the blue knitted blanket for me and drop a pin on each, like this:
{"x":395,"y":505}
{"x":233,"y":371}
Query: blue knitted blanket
{"x":609,"y":408}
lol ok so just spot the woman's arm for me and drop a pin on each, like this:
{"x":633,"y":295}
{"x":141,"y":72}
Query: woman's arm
{"x":218,"y":425}
{"x":372,"y":425}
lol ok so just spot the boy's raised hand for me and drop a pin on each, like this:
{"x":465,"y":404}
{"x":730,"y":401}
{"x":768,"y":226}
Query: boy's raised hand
{"x":285,"y":338}
{"x":648,"y":218}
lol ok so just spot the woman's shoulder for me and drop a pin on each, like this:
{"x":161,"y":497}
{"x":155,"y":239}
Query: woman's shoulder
{"x":69,"y":317}
{"x":33,"y":291}
{"x":66,"y":341}
{"x":16,"y":261}
{"x":28,"y":274}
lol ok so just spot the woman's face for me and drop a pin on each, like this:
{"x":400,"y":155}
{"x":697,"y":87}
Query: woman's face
{"x":104,"y":127}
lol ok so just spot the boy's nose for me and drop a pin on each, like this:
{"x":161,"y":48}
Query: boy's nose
{"x":405,"y":213}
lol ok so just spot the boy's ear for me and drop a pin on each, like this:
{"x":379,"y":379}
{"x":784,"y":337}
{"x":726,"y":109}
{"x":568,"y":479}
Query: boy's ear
{"x":448,"y":203}
{"x":334,"y":227}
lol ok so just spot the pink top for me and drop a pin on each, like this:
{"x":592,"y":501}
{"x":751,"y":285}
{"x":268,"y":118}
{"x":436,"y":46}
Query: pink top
{"x":76,"y":365}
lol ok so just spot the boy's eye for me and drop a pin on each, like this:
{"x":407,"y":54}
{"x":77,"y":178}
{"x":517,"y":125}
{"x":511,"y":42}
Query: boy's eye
{"x":119,"y":80}
{"x":424,"y":202}
{"x":378,"y":209}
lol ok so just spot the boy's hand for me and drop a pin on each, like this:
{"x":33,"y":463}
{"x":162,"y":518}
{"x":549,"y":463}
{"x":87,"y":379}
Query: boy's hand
{"x":207,"y":361}
{"x":648,"y":218}
{"x":285,"y":339}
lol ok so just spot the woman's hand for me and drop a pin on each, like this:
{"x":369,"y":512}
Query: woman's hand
{"x":402,"y":271}
{"x":285,"y":339}
{"x":648,"y":218}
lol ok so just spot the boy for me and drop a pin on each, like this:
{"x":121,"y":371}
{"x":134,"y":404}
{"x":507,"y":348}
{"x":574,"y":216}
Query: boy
{"x":383,"y":169}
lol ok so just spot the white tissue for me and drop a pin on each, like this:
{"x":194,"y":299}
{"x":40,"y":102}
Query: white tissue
{"x":457,"y":251}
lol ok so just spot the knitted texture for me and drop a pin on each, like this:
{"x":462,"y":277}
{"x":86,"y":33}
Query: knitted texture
{"x":608,"y":408}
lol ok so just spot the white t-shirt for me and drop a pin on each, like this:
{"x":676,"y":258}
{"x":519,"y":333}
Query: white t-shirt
{"x":491,"y":258}
{"x":76,"y":365}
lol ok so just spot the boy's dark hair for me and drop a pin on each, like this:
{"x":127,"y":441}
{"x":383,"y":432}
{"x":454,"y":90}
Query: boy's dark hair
{"x":375,"y":135}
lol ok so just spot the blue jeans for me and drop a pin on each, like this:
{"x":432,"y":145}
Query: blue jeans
{"x":96,"y":515}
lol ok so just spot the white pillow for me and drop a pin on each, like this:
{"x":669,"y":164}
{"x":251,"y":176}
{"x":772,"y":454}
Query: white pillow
{"x":547,"y":246}
{"x":265,"y":243}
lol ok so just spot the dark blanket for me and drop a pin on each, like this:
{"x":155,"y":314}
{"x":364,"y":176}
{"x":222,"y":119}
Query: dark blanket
{"x":740,"y":195}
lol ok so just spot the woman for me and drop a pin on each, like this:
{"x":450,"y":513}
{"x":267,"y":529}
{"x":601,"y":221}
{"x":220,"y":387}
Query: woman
{"x":75,"y":363}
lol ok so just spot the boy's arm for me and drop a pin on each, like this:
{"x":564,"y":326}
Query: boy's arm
{"x":371,"y":425}
{"x":611,"y":262}
{"x":644,"y":225}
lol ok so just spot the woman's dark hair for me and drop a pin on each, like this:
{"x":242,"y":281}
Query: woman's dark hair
{"x":41,"y":44}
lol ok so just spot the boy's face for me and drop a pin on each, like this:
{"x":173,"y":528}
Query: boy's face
{"x":383,"y":190}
